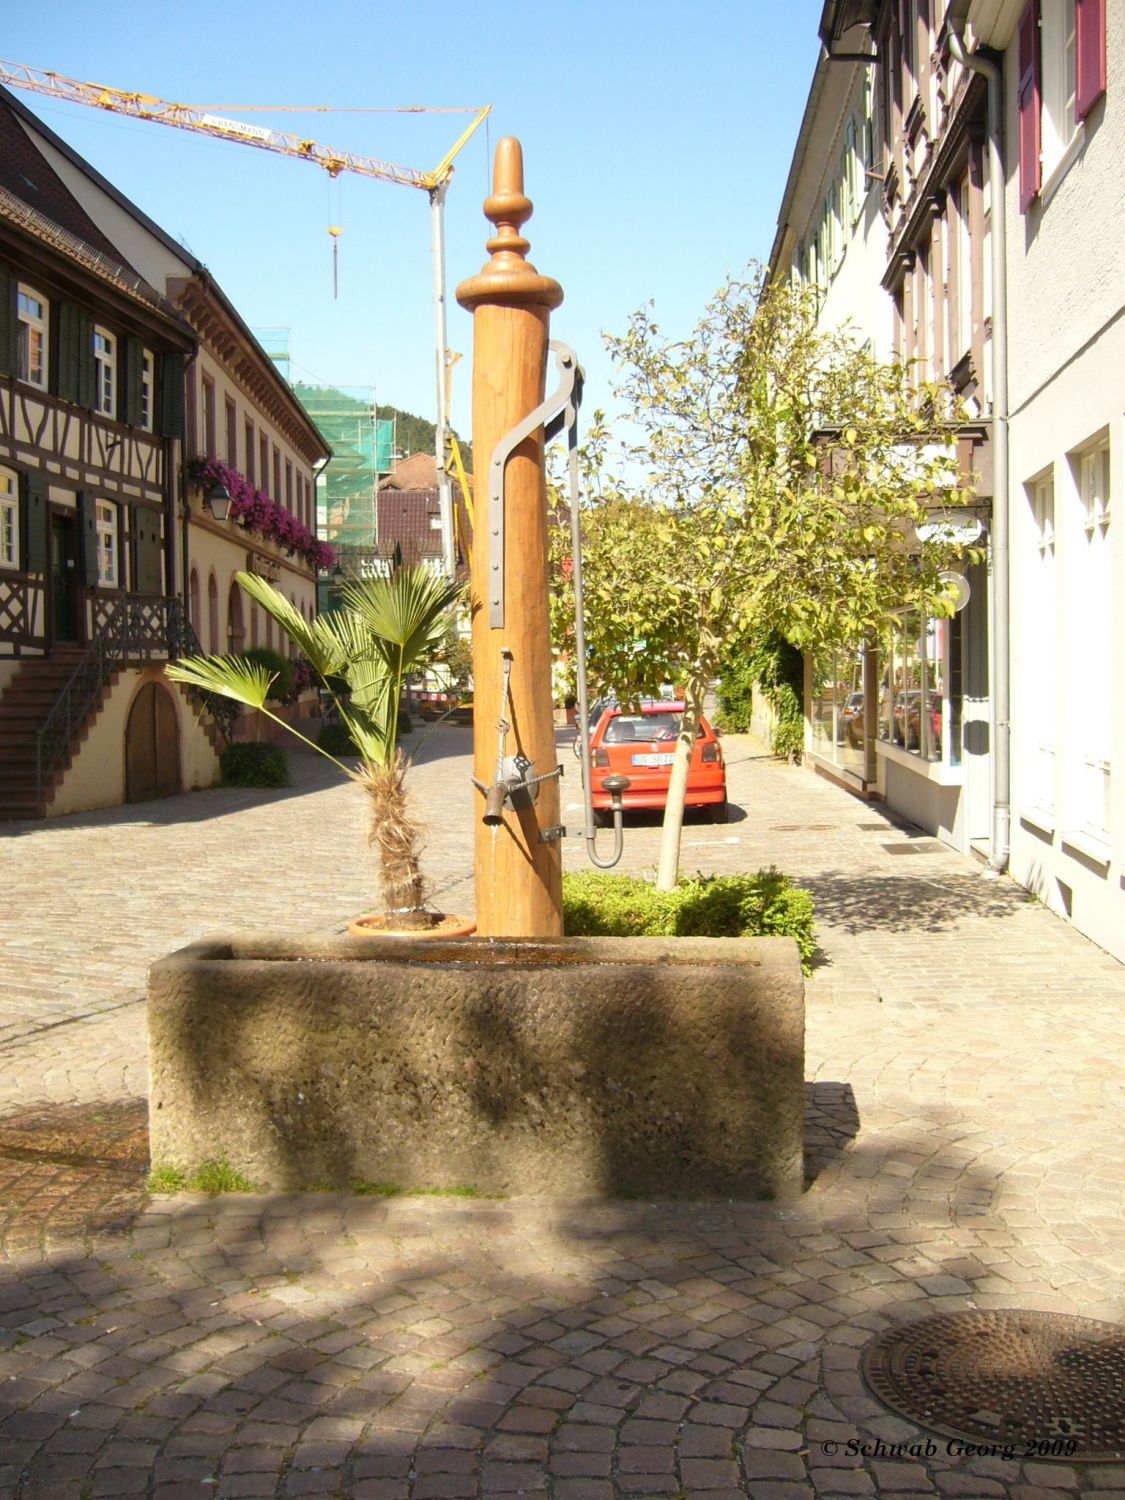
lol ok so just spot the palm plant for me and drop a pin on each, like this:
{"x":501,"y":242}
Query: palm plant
{"x":386,"y":629}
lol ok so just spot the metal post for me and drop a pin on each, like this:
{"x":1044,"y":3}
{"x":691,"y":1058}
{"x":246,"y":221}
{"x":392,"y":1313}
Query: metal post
{"x":441,"y":436}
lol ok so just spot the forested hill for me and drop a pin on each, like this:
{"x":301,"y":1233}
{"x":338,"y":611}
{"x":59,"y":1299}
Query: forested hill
{"x":416,"y":435}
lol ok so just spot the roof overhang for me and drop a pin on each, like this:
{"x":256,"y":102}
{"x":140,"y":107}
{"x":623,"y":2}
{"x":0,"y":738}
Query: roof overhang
{"x":847,"y":27}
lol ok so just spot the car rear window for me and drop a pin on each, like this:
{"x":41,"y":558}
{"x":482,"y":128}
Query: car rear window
{"x":624,"y":727}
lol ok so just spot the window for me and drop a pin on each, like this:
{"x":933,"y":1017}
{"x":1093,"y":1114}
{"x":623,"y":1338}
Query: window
{"x":209,"y":418}
{"x":105,"y":522}
{"x":148,"y":389}
{"x":1057,"y":43}
{"x":105,"y":372}
{"x":31,"y":310}
{"x":9,"y":519}
{"x":289,"y":484}
{"x":1062,"y":75}
{"x":232,"y":433}
{"x":868,"y":123}
{"x":964,"y":331}
{"x":1093,"y":645}
{"x":249,"y":434}
{"x":853,"y":196}
{"x":913,"y":711}
{"x":275,"y":493}
{"x":263,"y":460}
{"x":1041,"y":632}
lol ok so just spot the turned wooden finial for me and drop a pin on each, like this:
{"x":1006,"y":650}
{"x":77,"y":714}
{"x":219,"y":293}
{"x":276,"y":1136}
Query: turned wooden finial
{"x":509,"y":277}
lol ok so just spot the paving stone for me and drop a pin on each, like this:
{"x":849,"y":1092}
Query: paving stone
{"x":322,"y":1344}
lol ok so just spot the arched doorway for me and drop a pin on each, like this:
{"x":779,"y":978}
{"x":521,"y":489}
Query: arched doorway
{"x":152,"y":746}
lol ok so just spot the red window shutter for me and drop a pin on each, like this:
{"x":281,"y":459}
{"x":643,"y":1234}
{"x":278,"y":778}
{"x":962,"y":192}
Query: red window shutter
{"x":1089,"y":26}
{"x":1028,"y":100}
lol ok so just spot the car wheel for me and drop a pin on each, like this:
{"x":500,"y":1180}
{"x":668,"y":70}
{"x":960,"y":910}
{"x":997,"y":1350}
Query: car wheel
{"x":717,"y":811}
{"x":603,"y":817}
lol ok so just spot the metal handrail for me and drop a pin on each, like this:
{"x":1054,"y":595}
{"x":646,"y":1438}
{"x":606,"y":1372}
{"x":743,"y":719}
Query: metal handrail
{"x":135,"y":629}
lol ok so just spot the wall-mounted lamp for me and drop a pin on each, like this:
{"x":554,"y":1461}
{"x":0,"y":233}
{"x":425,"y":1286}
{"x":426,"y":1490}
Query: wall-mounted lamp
{"x":218,"y":498}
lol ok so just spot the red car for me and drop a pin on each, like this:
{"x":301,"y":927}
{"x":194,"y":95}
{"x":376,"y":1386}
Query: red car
{"x":640,"y":745}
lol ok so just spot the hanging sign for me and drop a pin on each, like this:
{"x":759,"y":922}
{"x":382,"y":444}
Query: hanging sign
{"x":950,"y":529}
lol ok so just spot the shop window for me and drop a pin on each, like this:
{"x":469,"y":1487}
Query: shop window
{"x":913,"y":711}
{"x":836,"y":710}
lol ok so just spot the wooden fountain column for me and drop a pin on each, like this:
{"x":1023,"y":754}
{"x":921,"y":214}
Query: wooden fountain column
{"x":518,"y":875}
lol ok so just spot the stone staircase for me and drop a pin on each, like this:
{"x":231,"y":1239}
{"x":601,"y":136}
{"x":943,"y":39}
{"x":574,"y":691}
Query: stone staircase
{"x":24,"y":706}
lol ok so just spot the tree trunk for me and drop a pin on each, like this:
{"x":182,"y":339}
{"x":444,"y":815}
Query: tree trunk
{"x":669,"y":866}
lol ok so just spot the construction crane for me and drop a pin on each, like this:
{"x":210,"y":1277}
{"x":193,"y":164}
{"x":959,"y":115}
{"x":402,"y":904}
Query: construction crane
{"x":202,"y":122}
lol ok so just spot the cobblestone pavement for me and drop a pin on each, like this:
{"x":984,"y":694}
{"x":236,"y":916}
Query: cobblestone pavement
{"x":966,"y":1149}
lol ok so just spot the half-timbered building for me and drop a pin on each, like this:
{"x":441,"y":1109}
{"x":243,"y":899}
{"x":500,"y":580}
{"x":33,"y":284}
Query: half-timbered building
{"x":132,"y":396}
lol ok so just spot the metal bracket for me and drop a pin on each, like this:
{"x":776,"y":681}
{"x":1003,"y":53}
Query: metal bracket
{"x":550,"y":415}
{"x":550,"y":835}
{"x":520,"y":779}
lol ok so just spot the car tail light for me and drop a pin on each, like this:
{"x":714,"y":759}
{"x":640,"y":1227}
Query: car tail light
{"x":711,"y":754}
{"x":601,"y":757}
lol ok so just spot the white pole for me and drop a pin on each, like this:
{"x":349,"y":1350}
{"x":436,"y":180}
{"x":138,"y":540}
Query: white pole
{"x":441,"y":437}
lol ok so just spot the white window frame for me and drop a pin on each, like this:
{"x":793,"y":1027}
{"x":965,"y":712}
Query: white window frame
{"x":1093,"y":583}
{"x":964,"y":312}
{"x":9,"y":519}
{"x":105,"y":371}
{"x":109,"y":544}
{"x":1058,"y":82}
{"x":148,"y":389}
{"x":1042,"y":647}
{"x":33,"y":335}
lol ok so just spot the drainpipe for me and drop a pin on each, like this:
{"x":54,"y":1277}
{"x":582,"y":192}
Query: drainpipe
{"x":1001,"y":687}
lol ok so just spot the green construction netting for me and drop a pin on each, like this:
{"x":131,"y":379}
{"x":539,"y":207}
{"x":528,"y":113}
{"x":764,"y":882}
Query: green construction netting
{"x":362,"y":449}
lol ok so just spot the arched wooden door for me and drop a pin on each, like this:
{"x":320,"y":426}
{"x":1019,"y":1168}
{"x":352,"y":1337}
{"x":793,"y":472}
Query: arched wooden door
{"x":152,"y":746}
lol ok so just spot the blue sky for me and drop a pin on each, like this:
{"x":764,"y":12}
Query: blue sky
{"x":656,"y":142}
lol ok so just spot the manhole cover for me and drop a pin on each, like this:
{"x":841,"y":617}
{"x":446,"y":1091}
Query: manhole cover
{"x":1048,"y":1385}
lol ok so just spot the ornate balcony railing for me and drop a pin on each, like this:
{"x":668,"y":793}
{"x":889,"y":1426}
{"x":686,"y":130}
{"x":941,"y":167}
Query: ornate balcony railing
{"x":130,"y":631}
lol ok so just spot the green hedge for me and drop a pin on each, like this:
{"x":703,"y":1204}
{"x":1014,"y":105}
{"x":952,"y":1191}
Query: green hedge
{"x":279,"y":667}
{"x":336,"y":740}
{"x":254,"y":765}
{"x":767,"y":904}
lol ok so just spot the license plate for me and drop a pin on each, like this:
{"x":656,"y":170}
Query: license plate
{"x":663,"y":759}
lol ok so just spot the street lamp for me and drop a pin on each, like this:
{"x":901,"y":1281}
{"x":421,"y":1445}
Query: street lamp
{"x":218,"y":498}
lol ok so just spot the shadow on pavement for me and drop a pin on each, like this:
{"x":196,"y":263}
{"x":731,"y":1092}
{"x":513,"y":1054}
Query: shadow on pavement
{"x":889,"y":903}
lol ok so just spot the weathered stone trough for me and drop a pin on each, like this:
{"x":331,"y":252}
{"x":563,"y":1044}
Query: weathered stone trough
{"x":634,"y":1066}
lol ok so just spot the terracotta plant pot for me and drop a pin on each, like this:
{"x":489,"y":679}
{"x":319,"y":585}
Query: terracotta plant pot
{"x":379,"y":924}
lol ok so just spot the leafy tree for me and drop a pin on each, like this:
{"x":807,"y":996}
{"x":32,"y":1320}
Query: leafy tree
{"x":784,"y":469}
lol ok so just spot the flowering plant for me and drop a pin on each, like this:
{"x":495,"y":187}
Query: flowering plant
{"x":255,"y":511}
{"x":303,"y":678}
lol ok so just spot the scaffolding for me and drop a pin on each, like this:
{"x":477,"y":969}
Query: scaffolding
{"x":362,"y":446}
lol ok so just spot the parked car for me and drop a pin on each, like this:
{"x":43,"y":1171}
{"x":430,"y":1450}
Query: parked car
{"x":908,"y":719}
{"x":852,"y":709}
{"x":640,"y":744}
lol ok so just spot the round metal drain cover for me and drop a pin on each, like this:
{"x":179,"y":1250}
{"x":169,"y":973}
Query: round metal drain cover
{"x":1050,"y":1386}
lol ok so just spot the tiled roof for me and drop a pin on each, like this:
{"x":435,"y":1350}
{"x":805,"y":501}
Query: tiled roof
{"x":418,"y":472}
{"x":406,"y":519}
{"x":28,"y":176}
